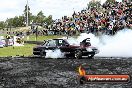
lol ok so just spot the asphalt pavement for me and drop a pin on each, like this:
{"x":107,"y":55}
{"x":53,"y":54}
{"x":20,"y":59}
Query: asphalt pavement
{"x":60,"y":73}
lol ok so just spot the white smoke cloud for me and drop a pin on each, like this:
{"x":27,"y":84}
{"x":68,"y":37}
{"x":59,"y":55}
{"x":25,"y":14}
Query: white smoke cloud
{"x":102,"y":2}
{"x":54,"y":54}
{"x":93,"y":39}
{"x":119,"y":0}
{"x":76,"y":41}
{"x":119,"y":45}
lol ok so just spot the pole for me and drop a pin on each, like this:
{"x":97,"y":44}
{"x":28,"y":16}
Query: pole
{"x":27,"y":14}
{"x":36,"y":33}
{"x":27,"y":20}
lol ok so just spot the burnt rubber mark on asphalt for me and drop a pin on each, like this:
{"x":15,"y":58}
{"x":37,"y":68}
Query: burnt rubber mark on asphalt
{"x":39,"y":72}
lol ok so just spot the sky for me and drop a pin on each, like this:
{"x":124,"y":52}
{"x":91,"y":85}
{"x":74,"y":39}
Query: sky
{"x":56,"y":8}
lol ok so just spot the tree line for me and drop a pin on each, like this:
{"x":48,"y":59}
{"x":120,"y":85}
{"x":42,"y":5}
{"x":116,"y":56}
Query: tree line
{"x":40,"y":18}
{"x":20,"y":21}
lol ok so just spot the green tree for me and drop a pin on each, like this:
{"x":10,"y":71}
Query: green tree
{"x":40,"y":18}
{"x":16,"y":21}
{"x":9,"y":22}
{"x":2,"y":24}
{"x":48,"y":20}
{"x":111,"y":1}
{"x":21,"y":21}
{"x":92,"y":4}
{"x":33,"y":18}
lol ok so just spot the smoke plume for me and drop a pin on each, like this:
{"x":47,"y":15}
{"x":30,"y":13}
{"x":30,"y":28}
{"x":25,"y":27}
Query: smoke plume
{"x":119,"y":45}
{"x":54,"y":54}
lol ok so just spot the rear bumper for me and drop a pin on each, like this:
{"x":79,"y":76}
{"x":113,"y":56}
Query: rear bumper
{"x":36,"y":53}
{"x":86,"y":53}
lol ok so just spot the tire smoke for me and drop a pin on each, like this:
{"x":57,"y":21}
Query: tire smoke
{"x":118,"y":45}
{"x":54,"y":54}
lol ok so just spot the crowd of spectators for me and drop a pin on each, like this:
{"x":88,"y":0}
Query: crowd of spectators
{"x":107,"y":18}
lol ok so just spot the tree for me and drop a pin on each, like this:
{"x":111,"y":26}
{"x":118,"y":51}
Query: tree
{"x":48,"y":20}
{"x":92,"y":4}
{"x":21,"y":21}
{"x":2,"y":24}
{"x":111,"y":1}
{"x":16,"y":21}
{"x":9,"y":22}
{"x":40,"y":18}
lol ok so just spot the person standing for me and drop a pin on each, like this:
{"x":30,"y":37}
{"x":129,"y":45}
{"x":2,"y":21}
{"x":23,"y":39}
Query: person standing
{"x":7,"y":40}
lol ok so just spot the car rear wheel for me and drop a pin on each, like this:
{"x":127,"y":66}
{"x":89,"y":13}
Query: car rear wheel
{"x":43,"y":53}
{"x":90,"y":56}
{"x":78,"y":54}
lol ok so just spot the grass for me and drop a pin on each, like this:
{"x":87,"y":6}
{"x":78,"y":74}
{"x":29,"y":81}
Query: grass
{"x":41,"y":38}
{"x":25,"y":50}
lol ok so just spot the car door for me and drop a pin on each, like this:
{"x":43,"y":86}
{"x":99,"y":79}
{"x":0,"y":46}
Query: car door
{"x":63,"y":46}
{"x":51,"y":45}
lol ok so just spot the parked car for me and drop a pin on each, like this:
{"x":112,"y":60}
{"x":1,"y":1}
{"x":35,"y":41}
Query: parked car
{"x":76,"y":51}
{"x":2,"y":43}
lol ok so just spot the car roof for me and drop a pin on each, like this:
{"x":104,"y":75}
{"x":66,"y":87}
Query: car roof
{"x":57,"y":39}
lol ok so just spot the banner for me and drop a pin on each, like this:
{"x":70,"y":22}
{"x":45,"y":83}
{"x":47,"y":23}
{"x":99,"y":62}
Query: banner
{"x":15,"y":41}
{"x":18,"y":41}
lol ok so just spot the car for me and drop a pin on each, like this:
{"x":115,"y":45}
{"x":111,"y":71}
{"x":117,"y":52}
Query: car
{"x":2,"y":43}
{"x":76,"y":51}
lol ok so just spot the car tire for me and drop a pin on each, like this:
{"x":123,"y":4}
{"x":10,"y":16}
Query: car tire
{"x":78,"y":54}
{"x":43,"y":53}
{"x":90,"y":57}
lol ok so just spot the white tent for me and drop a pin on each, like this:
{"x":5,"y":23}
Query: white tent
{"x":18,"y":41}
{"x":2,"y":42}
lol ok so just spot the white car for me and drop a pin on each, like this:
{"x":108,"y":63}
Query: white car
{"x":2,"y":43}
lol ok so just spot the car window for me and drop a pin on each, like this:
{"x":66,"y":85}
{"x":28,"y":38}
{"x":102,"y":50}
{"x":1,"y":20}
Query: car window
{"x":45,"y":43}
{"x":62,"y":43}
{"x":51,"y":43}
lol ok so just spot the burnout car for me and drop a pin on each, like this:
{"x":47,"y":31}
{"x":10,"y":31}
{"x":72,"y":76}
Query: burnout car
{"x":76,"y":51}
